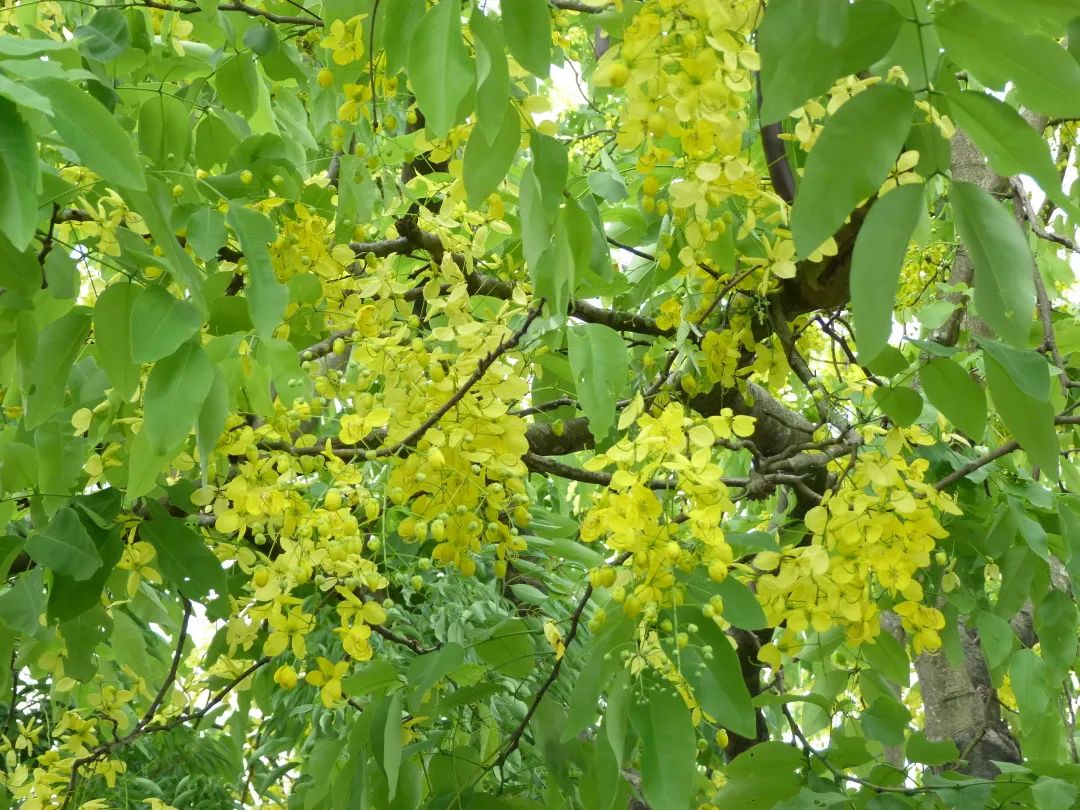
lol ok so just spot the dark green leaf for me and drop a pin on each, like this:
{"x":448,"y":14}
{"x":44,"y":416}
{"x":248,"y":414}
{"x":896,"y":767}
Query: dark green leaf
{"x":1056,"y":626}
{"x":65,"y":547}
{"x":952,"y":391}
{"x":851,"y":159}
{"x":1028,"y":370}
{"x":762,"y":777}
{"x":106,"y":36}
{"x":237,"y":83}
{"x":901,"y":405}
{"x":1028,"y":419}
{"x":1004,"y":285}
{"x":875,"y":265}
{"x":718,"y":685}
{"x":185,"y":561}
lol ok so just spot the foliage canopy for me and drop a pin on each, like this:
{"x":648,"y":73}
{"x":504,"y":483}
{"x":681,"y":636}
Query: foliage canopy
{"x":660,"y":403}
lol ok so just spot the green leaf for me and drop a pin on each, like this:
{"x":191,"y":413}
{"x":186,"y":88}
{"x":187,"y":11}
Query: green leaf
{"x":1028,"y":419}
{"x":1051,"y":793}
{"x":89,"y":130}
{"x":798,"y":62}
{"x":112,"y":336}
{"x":440,"y":68}
{"x":492,"y":74}
{"x":617,"y":717}
{"x":762,"y":777}
{"x":1028,"y":673}
{"x":22,"y":604}
{"x":885,"y":720}
{"x":879,"y":252}
{"x":952,"y":391}
{"x":925,"y":751}
{"x":509,"y":648}
{"x":851,"y":159}
{"x":996,"y":637}
{"x":398,"y":19}
{"x":585,"y":699}
{"x":718,"y":683}
{"x":902,"y":405}
{"x":486,"y":163}
{"x":175,"y":391}
{"x":741,"y":607}
{"x":211,"y":421}
{"x":888,"y":656}
{"x":266,"y":297}
{"x":1056,"y":625}
{"x":206,"y":232}
{"x":27,"y":48}
{"x":165,"y":131}
{"x":426,"y":670}
{"x":237,"y":83}
{"x":24,"y":96}
{"x":1046,"y":77}
{"x":527,"y":24}
{"x":57,"y":347}
{"x":550,"y":166}
{"x":667,"y":747}
{"x":160,"y":324}
{"x":391,"y":743}
{"x":599,"y":363}
{"x":185,"y":561}
{"x":553,"y":273}
{"x":19,"y":177}
{"x":65,"y":547}
{"x":1004,"y":285}
{"x":1027,"y":369}
{"x":106,"y":36}
{"x":1009,"y":142}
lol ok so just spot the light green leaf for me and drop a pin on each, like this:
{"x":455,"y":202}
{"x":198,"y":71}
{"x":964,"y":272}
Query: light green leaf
{"x":440,"y":68}
{"x":550,"y":166}
{"x":527,"y":24}
{"x":996,"y":637}
{"x":22,"y":604}
{"x":58,"y":345}
{"x":106,"y":36}
{"x":599,"y":364}
{"x":618,"y":694}
{"x":925,"y":751}
{"x":535,"y":230}
{"x":667,"y":747}
{"x":492,"y":74}
{"x":175,"y":392}
{"x":165,"y":131}
{"x":65,"y":547}
{"x":1010,"y":144}
{"x":206,"y":232}
{"x":88,"y":129}
{"x":266,"y":297}
{"x":27,"y":47}
{"x":585,"y":698}
{"x":718,"y":683}
{"x":160,"y":324}
{"x":398,"y":19}
{"x":952,"y":391}
{"x":797,"y":63}
{"x":1028,"y":419}
{"x":509,"y":648}
{"x":486,"y":163}
{"x":741,"y":607}
{"x":237,"y":83}
{"x":392,"y":743}
{"x":1004,"y":284}
{"x":888,"y":657}
{"x":1027,"y":369}
{"x":879,"y":253}
{"x":1046,"y":77}
{"x":1056,"y":625}
{"x":112,"y":336}
{"x":851,"y":159}
{"x":19,"y":177}
{"x":1051,"y":793}
{"x":24,"y":96}
{"x":426,"y":670}
{"x":185,"y":561}
{"x":211,"y":421}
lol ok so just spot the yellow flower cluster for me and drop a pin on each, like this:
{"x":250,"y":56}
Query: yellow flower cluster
{"x":870,"y":538}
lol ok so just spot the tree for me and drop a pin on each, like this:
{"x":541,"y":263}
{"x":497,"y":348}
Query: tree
{"x":562,"y":404}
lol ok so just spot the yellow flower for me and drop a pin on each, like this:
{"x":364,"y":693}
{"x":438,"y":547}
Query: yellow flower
{"x":346,"y":40}
{"x":328,"y":676}
{"x":555,"y":639}
{"x":285,"y":677}
{"x":289,"y":629}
